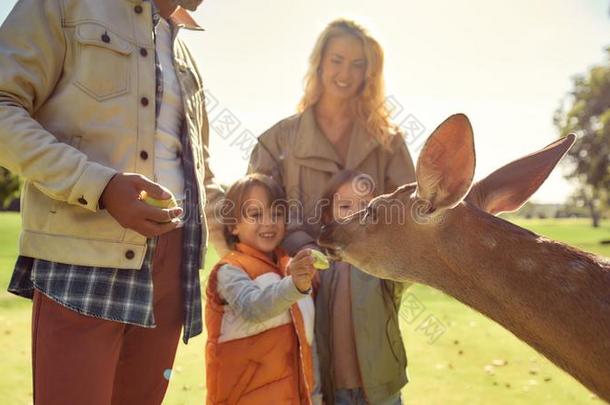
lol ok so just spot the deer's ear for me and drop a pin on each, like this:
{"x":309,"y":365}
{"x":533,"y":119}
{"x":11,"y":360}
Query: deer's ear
{"x":509,"y":187}
{"x":445,"y":167}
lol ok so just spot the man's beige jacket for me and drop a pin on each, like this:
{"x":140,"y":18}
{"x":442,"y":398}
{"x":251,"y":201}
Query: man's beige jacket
{"x":77,"y":105}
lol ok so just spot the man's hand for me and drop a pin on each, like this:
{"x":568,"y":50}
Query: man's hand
{"x":301,"y":269}
{"x":121,"y":198}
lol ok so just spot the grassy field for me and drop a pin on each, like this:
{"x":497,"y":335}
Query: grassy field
{"x":474,"y":361}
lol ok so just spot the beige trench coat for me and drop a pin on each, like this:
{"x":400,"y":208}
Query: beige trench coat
{"x":300,"y":156}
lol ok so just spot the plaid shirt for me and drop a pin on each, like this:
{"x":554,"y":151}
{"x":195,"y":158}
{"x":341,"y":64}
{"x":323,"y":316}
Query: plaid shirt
{"x":117,"y":294}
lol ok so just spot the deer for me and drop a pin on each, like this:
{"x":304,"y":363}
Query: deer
{"x":444,"y":233}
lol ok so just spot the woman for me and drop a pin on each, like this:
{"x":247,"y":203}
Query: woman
{"x":342,"y":123}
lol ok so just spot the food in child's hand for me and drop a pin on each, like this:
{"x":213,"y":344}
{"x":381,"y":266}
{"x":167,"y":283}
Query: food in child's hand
{"x":320,"y":261}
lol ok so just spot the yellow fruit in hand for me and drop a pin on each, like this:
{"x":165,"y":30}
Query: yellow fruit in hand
{"x":320,"y":261}
{"x":166,"y":203}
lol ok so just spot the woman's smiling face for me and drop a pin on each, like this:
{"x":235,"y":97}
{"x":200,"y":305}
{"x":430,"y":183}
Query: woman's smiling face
{"x":343,"y":67}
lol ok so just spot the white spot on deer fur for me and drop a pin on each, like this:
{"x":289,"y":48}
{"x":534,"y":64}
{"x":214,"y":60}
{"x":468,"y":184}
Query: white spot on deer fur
{"x":578,"y":266}
{"x":526,"y":264}
{"x":554,"y":270}
{"x":489,"y":242}
{"x":567,"y":286}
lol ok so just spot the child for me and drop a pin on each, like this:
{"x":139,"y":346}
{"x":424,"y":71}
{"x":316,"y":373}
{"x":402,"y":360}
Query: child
{"x":259,"y":312}
{"x":362,"y":358}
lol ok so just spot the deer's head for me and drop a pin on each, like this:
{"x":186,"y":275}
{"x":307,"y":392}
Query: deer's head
{"x":394,"y":236}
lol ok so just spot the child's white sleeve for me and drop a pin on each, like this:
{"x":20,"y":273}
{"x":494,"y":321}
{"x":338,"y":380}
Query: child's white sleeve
{"x":251,"y":301}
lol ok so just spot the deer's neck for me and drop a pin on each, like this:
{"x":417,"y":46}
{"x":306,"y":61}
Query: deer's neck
{"x":554,"y":297}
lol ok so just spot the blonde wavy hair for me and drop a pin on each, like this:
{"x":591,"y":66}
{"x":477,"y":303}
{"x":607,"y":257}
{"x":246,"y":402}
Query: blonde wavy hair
{"x":369,"y":107}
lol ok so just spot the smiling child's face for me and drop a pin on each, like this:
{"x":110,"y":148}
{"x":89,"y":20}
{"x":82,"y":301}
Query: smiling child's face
{"x":261,"y":226}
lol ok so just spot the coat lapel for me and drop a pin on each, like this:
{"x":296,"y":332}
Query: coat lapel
{"x":361,"y":145}
{"x":313,"y":149}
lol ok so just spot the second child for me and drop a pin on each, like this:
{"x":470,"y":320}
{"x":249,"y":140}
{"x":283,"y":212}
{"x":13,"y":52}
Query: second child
{"x":362,"y":357}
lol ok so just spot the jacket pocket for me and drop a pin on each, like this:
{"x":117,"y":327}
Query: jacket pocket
{"x":103,"y":62}
{"x":243,"y":383}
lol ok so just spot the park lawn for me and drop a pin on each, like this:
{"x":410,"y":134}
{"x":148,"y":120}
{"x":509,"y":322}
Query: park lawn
{"x":574,"y":231}
{"x":449,"y":370}
{"x":10,"y":224}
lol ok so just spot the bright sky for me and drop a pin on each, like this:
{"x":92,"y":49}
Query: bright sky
{"x":505,"y":64}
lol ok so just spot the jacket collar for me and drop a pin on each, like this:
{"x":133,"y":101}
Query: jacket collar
{"x":361,"y":145}
{"x":180,"y":18}
{"x":183,"y":19}
{"x":311,"y":143}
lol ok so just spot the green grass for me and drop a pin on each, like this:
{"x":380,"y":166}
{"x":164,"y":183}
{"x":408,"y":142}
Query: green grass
{"x":576,"y":232}
{"x":10,"y":224}
{"x":449,"y":371}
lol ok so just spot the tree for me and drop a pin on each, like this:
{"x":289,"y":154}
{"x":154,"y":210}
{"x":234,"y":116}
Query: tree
{"x":9,"y":187}
{"x":586,"y":112}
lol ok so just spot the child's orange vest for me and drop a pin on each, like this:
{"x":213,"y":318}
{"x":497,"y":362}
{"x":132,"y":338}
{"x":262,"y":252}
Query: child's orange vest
{"x":257,"y":362}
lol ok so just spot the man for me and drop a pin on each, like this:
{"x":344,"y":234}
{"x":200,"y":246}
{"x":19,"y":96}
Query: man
{"x":100,"y":104}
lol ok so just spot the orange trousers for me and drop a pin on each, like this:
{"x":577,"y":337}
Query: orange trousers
{"x":82,"y":360}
